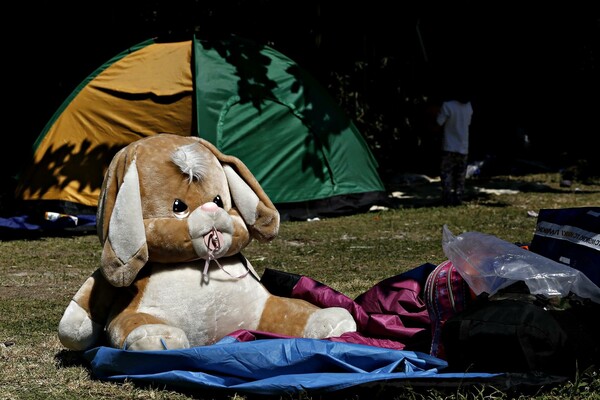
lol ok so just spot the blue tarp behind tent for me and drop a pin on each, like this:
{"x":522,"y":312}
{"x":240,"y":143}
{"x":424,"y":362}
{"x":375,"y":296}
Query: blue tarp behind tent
{"x":30,"y":224}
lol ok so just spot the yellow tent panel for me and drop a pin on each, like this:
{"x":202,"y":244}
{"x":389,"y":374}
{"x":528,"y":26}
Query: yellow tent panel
{"x":139,"y":93}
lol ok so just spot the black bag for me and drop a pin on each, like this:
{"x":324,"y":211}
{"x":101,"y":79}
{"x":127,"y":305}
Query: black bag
{"x":520,"y":335}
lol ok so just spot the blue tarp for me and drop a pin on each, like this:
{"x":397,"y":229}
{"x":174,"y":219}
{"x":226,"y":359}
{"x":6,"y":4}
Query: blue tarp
{"x":269,"y":366}
{"x":28,"y":223}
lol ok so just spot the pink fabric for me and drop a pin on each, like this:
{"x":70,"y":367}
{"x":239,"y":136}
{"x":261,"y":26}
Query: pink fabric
{"x":392,"y":314}
{"x":323,"y":296}
{"x":244,"y":335}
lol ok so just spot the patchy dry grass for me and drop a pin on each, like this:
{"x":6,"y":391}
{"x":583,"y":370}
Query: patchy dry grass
{"x":350,"y":254}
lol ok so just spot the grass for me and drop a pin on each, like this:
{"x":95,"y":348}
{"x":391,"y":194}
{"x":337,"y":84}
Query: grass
{"x":38,"y":276}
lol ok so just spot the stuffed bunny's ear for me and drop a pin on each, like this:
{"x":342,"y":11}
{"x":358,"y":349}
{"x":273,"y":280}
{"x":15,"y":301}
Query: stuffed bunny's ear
{"x":253,"y":204}
{"x":258,"y":213}
{"x":125,"y":251}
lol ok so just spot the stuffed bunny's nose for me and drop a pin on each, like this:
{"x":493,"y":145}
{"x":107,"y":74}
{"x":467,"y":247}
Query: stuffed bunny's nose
{"x":209,"y":207}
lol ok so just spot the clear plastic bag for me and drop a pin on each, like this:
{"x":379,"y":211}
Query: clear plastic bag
{"x":489,"y":264}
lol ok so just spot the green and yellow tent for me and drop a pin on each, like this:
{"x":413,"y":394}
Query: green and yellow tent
{"x":249,"y":100}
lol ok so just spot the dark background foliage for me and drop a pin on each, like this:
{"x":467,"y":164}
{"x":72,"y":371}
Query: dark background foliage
{"x":533,"y":71}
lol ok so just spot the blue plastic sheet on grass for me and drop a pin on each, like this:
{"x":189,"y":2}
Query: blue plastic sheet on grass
{"x":268,"y":366}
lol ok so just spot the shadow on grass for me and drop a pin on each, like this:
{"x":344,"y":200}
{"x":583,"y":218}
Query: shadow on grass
{"x":10,"y":234}
{"x":71,"y":358}
{"x":427,"y":192}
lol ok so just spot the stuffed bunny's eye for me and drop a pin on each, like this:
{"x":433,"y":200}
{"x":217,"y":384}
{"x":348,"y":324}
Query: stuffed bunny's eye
{"x":180,"y":208}
{"x":217,"y":200}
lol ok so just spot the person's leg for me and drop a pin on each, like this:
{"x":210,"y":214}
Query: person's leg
{"x":446,"y":177}
{"x":460,"y":174}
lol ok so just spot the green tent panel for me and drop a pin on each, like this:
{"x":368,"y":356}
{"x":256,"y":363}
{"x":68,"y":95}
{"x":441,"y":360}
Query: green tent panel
{"x":249,"y":100}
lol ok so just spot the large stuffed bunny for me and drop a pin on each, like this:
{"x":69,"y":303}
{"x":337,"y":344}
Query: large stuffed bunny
{"x":174,"y":214}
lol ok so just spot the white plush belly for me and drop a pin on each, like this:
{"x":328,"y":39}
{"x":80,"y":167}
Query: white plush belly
{"x":206,"y":309}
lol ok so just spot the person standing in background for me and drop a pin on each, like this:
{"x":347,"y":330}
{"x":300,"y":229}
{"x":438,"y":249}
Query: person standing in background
{"x":455,"y":119}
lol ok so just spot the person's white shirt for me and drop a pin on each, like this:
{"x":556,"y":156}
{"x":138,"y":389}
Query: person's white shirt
{"x":455,"y":117}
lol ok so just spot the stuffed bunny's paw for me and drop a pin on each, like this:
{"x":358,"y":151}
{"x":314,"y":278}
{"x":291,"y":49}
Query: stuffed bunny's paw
{"x":156,"y":337}
{"x":76,"y":331}
{"x":329,"y":322}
